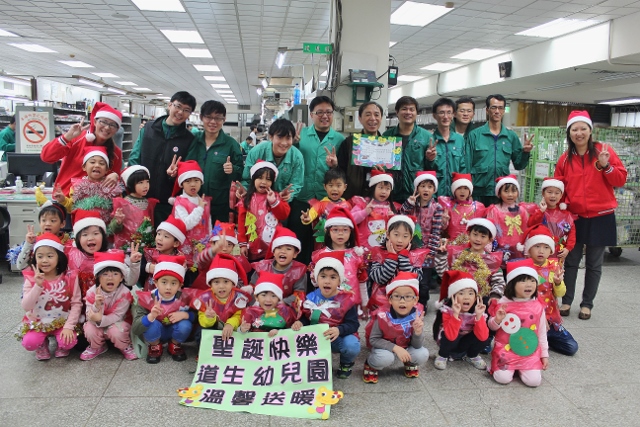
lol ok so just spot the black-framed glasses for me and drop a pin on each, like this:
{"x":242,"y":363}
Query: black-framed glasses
{"x":395,"y":297}
{"x":112,"y":125}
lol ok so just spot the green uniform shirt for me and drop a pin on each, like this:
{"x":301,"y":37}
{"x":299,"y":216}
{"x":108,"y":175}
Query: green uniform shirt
{"x":449,"y":159}
{"x":7,"y":141}
{"x":315,"y":164}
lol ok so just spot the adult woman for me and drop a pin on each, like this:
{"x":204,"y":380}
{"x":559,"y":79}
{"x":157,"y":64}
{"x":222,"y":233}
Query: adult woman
{"x":589,"y":170}
{"x":105,"y":122}
{"x":370,"y":116}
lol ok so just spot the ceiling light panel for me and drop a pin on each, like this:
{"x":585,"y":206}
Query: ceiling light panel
{"x":183,"y":36}
{"x":478,"y":54}
{"x":105,"y":75}
{"x":407,"y":78}
{"x":207,"y":67}
{"x":4,"y":33}
{"x":159,"y":5}
{"x":29,"y":47}
{"x":215,"y":78}
{"x":141,"y":89}
{"x":558,"y":27}
{"x":219,"y":86}
{"x":441,"y":66}
{"x":196,"y":53}
{"x":621,"y":101}
{"x":392,"y":44}
{"x":417,"y":14}
{"x":127,"y":83}
{"x":76,"y":64}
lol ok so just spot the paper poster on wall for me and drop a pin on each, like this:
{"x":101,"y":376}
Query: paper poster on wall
{"x":370,"y":150}
{"x":33,"y":131}
{"x":289,"y":375}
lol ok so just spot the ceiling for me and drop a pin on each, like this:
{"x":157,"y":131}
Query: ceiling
{"x":243,"y":37}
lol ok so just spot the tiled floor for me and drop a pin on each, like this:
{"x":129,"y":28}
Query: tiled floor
{"x":599,"y":386}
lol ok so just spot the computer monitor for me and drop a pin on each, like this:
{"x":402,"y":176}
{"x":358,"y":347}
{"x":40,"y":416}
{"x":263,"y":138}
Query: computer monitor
{"x":29,"y":167}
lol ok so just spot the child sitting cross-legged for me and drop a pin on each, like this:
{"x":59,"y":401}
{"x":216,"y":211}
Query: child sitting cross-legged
{"x":329,"y":304}
{"x":269,"y":313}
{"x":398,"y":331}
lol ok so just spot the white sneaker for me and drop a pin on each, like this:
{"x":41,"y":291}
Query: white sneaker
{"x":477,"y":362}
{"x":440,"y":363}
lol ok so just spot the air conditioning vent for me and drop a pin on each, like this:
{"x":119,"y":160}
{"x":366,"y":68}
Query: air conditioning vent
{"x":244,"y":107}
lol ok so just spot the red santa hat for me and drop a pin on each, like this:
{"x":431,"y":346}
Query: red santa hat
{"x":425,"y":176}
{"x":83,"y":219}
{"x":408,"y":219}
{"x":284,"y":236}
{"x":539,"y":234}
{"x":112,"y":258}
{"x":378,"y":176}
{"x":268,"y":281}
{"x":170,"y":265}
{"x":48,"y":239}
{"x":100,"y":109}
{"x":509,"y":179}
{"x":453,"y":281}
{"x":263,"y":164}
{"x":175,"y":227}
{"x":403,"y":278}
{"x":579,"y":116}
{"x":226,"y":228}
{"x":95,"y":150}
{"x":485,"y":223}
{"x":186,"y":170}
{"x":339,"y":216}
{"x":517,"y":268}
{"x":226,"y":267}
{"x":334,"y":259}
{"x":552,"y":182}
{"x":126,"y":174}
{"x":461,"y":180}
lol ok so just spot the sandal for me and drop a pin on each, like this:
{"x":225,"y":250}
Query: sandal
{"x":565,"y":310}
{"x":585,"y":313}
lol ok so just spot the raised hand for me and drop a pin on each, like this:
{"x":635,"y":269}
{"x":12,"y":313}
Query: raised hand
{"x":332,"y":157}
{"x":99,"y":299}
{"x":528,"y":143}
{"x":271,"y":196}
{"x":413,"y":198}
{"x":543,"y":205}
{"x":31,"y":235}
{"x":156,"y":310}
{"x":558,"y":277}
{"x":220,"y":244}
{"x":209,"y":311}
{"x":604,"y":155}
{"x":227,"y":167}
{"x":285,"y":194}
{"x":202,"y":202}
{"x":111,"y":180}
{"x":500,"y":314}
{"x":299,"y":127}
{"x":305,"y":216}
{"x":172,"y":170}
{"x":480,"y":308}
{"x":39,"y":276}
{"x":369,"y":207}
{"x":75,"y":130}
{"x":119,"y":216}
{"x":240,"y":190}
{"x":389,"y":246}
{"x":456,"y":306}
{"x":58,"y":195}
{"x":135,"y":256}
{"x":418,"y":324}
{"x":431,"y":151}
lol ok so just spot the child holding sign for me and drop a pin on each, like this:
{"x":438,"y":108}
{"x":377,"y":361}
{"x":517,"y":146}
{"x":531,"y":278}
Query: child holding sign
{"x":270,"y":313}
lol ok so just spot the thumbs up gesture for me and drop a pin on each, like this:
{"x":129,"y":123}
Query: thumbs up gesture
{"x":228,"y":166}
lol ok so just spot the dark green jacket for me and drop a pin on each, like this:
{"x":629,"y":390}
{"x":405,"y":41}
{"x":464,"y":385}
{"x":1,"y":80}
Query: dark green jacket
{"x":7,"y":141}
{"x":471,"y":127}
{"x":449,"y":159}
{"x":315,"y":164}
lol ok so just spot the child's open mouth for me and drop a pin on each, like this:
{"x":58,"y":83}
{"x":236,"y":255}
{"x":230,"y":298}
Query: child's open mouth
{"x":466,"y":306}
{"x":91,"y":246}
{"x":282,"y":259}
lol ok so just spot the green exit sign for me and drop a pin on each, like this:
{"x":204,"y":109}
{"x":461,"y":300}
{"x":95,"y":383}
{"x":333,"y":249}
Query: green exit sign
{"x":317,"y":48}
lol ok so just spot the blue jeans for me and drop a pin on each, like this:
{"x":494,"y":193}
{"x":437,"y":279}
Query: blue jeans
{"x":178,"y":331}
{"x":561,"y":341}
{"x":348,"y":347}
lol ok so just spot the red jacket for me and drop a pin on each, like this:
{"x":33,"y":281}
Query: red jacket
{"x":589,"y":191}
{"x":72,"y":155}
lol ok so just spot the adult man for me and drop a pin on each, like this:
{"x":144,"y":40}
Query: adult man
{"x":8,"y":138}
{"x":415,"y":142}
{"x":464,"y":113}
{"x":489,"y":150}
{"x":157,"y":144}
{"x":253,"y":135}
{"x":318,"y":145}
{"x":446,"y":155}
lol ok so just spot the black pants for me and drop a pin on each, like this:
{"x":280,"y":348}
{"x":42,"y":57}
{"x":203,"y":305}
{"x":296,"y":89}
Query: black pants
{"x":303,"y":232}
{"x":468,"y":343}
{"x":425,"y":284}
{"x":161,"y":212}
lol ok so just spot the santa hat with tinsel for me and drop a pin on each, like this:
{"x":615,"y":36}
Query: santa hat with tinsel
{"x":509,"y":179}
{"x":579,"y":116}
{"x":403,"y":278}
{"x":378,"y":176}
{"x":95,"y":150}
{"x":224,"y":228}
{"x":100,"y":109}
{"x":260,"y":164}
{"x":175,"y":227}
{"x":517,"y":268}
{"x":113,"y":258}
{"x":461,"y":180}
{"x":425,"y":176}
{"x":334,"y":260}
{"x":48,"y":239}
{"x":83,"y":219}
{"x":170,"y":265}
{"x":268,"y":281}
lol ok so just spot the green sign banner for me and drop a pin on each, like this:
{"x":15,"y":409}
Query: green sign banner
{"x":318,"y":48}
{"x":289,"y":375}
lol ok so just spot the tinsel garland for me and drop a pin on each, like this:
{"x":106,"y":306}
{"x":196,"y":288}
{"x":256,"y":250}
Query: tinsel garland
{"x":482,"y":273}
{"x":143,"y":235}
{"x":41,"y":327}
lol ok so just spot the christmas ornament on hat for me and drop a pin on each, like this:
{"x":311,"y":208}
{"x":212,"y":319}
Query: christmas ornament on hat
{"x":378,"y":176}
{"x":403,"y":278}
{"x":170,"y":265}
{"x":174,"y":226}
{"x":539,"y":234}
{"x":509,"y":179}
{"x":334,"y":260}
{"x":113,"y":258}
{"x":226,"y":229}
{"x":102,"y":110}
{"x":95,"y":150}
{"x":186,"y":170}
{"x":271,"y":282}
{"x":260,"y":164}
{"x":83,"y":219}
{"x":579,"y":116}
{"x":461,"y":180}
{"x":555,"y":182}
{"x":425,"y":176}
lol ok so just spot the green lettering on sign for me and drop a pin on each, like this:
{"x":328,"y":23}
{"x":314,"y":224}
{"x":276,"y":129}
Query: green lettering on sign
{"x":317,"y":48}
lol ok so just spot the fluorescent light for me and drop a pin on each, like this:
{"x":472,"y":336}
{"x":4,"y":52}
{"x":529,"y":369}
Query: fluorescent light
{"x":407,"y":78}
{"x":207,"y":67}
{"x":164,"y":97}
{"x":227,"y":95}
{"x":196,"y":53}
{"x":118,"y":91}
{"x":478,"y":54}
{"x":29,"y":47}
{"x":76,"y":64}
{"x":215,"y":78}
{"x":558,"y":27}
{"x":20,"y":82}
{"x":224,"y":91}
{"x":265,"y":83}
{"x":417,"y":14}
{"x":232,"y":102}
{"x":324,"y":73}
{"x":183,"y":36}
{"x":105,"y":75}
{"x":89,"y":83}
{"x":392,"y":44}
{"x":219,"y":85}
{"x":141,"y":89}
{"x":127,"y":83}
{"x":441,"y":66}
{"x":259,"y":90}
{"x":159,"y":5}
{"x":280,"y":59}
{"x":558,"y":86}
{"x":4,"y":33}
{"x":621,"y":101}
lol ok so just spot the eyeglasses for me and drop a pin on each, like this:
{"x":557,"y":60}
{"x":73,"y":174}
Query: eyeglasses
{"x":112,"y":125}
{"x":444,"y":113}
{"x":323,"y":113}
{"x":344,"y":230}
{"x":496,"y":107}
{"x":179,"y":107}
{"x":395,"y":297}
{"x":217,"y":119}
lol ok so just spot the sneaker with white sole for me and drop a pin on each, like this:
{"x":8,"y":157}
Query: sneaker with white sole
{"x":477,"y":362}
{"x":440,"y":363}
{"x":61,"y":352}
{"x":129,"y":353}
{"x":91,"y":353}
{"x":42,"y":352}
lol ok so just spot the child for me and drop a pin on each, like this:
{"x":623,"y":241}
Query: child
{"x":285,"y":246}
{"x":340,"y":236}
{"x":90,"y":192}
{"x":51,"y":298}
{"x":108,"y":302}
{"x":429,"y":214}
{"x":460,"y":209}
{"x":461,"y":323}
{"x":329,"y":304}
{"x":397,"y":332}
{"x":223,"y":241}
{"x":371,"y":215}
{"x":170,"y":235}
{"x":260,"y":212}
{"x":392,"y":257}
{"x":554,"y":215}
{"x":90,"y":235}
{"x":476,"y":258}
{"x":269,"y":313}
{"x":51,"y":218}
{"x":521,"y":337}
{"x":335,"y":184}
{"x":133,"y":214}
{"x":509,"y":218}
{"x":163,"y":314}
{"x":539,"y":246}
{"x":192,"y":209}
{"x":221,"y":306}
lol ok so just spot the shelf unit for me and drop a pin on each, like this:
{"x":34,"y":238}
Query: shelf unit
{"x":131,"y":127}
{"x":4,"y":121}
{"x":66,"y":115}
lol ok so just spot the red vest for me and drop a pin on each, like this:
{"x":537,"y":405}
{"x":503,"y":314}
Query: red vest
{"x":545,"y":290}
{"x":123,"y":295}
{"x":55,"y":299}
{"x":398,"y":331}
{"x":316,"y":307}
{"x":133,"y":218}
{"x":182,"y":302}
{"x":282,"y":317}
{"x":236,"y":301}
